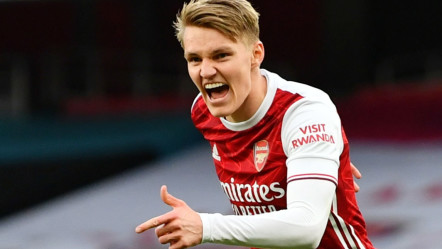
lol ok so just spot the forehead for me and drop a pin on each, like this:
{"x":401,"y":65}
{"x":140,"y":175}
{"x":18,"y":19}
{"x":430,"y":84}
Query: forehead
{"x":199,"y":39}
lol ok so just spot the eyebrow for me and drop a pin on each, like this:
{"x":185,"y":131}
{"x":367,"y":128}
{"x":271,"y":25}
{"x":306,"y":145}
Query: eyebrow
{"x":216,"y":51}
{"x":189,"y":55}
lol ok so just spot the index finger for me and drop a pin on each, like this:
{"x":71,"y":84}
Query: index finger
{"x":154,"y":222}
{"x":355,"y":171}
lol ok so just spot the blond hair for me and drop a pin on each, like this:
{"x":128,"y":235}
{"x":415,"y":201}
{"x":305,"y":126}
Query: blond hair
{"x":236,"y":19}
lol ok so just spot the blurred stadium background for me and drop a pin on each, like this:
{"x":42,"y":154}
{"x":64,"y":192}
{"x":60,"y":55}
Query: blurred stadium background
{"x":95,"y":102}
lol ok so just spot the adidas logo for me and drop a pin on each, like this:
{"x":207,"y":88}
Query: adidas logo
{"x":215,"y":154}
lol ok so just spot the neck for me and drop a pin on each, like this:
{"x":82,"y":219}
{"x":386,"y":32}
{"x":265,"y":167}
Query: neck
{"x":253,"y":101}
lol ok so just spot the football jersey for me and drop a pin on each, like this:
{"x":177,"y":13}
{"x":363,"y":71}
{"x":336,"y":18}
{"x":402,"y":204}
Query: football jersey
{"x":294,"y":125}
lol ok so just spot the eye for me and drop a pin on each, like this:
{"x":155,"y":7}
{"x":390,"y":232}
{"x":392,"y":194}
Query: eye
{"x":221,"y":55}
{"x":193,"y":59}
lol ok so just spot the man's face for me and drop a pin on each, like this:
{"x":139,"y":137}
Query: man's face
{"x":220,"y":69}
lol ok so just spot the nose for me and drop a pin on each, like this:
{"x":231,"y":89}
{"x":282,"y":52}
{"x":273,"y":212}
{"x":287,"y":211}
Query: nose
{"x":207,"y":69}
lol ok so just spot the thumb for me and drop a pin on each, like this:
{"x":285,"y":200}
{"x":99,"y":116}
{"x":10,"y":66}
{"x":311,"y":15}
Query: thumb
{"x":170,"y":199}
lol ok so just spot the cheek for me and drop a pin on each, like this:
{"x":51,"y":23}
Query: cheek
{"x":194,"y":75}
{"x":244,"y":83}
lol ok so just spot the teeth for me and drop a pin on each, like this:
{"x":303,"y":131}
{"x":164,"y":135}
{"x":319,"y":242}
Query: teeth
{"x":213,"y":85}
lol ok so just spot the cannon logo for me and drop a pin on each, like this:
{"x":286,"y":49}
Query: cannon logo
{"x":260,"y":153}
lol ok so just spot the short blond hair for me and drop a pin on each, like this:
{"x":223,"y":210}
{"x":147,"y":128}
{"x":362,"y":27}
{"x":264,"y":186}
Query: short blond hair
{"x":236,"y":19}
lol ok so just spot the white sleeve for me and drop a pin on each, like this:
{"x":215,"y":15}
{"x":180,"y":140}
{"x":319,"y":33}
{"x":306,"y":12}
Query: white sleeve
{"x":301,"y":225}
{"x":312,"y":129}
{"x":308,"y":198}
{"x":312,"y":140}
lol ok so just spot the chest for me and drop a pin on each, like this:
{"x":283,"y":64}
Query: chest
{"x":251,"y":166}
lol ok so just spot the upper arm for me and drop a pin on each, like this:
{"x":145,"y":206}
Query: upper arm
{"x":311,"y":130}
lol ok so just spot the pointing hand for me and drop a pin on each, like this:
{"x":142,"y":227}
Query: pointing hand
{"x":181,"y":228}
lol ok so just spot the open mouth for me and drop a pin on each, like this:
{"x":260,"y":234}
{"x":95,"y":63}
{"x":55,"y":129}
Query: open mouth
{"x":216,"y":90}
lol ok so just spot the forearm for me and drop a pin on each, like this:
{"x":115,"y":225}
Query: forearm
{"x":300,"y":226}
{"x":275,"y":230}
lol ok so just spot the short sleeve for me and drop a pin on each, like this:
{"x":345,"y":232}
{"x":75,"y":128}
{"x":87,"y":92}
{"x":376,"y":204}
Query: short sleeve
{"x":312,"y":139}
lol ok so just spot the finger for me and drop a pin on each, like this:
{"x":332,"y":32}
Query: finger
{"x":154,"y":222}
{"x":356,"y":186}
{"x":170,"y":238}
{"x":166,"y":229}
{"x":170,"y":199}
{"x":179,"y":244}
{"x":355,"y":171}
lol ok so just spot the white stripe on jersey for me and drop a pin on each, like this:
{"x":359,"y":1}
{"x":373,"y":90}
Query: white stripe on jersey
{"x":337,"y":231}
{"x":346,"y":233}
{"x":335,"y":204}
{"x":357,"y":239}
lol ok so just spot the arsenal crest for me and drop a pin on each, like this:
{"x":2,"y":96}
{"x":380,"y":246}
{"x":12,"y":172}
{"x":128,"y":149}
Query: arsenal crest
{"x":260,"y":153}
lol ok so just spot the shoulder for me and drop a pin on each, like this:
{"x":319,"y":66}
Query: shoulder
{"x":199,"y":108}
{"x":309,"y":93}
{"x":285,"y":87}
{"x":314,"y":106}
{"x":202,"y":118}
{"x":196,"y":102}
{"x":307,"y":111}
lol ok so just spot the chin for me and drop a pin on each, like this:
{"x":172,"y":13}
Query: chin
{"x":217,"y":112}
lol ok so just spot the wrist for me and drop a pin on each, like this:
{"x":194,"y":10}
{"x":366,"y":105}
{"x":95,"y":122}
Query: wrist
{"x":206,"y":234}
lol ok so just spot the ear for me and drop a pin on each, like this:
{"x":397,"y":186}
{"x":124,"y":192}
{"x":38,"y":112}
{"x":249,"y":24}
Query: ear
{"x":257,"y":54}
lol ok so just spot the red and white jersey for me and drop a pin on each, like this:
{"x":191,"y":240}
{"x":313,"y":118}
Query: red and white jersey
{"x":296,"y":127}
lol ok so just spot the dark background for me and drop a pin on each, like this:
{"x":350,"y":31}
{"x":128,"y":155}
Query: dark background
{"x":91,"y":88}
